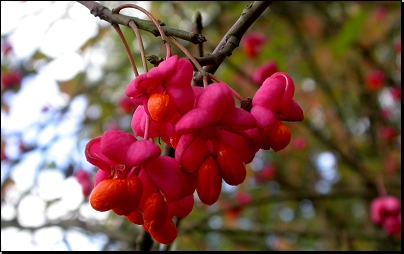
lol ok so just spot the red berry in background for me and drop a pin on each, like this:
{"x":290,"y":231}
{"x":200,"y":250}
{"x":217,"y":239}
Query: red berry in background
{"x":264,"y":71}
{"x":375,"y":80}
{"x":385,"y":114}
{"x":3,"y":155}
{"x":252,"y":43}
{"x":10,"y":78}
{"x":380,"y":13}
{"x":6,"y":48}
{"x":231,"y":213}
{"x":266,"y":174}
{"x":243,"y":198}
{"x":392,"y":225}
{"x":383,"y":207}
{"x":85,"y":181}
{"x":126,"y":106}
{"x":299,"y":143}
{"x":313,"y":26}
{"x":388,"y":133}
{"x":395,"y":91}
{"x":397,"y":45}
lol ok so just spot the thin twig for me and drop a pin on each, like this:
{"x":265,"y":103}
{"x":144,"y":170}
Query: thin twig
{"x":238,"y":96}
{"x":125,"y":44}
{"x":155,"y":22}
{"x":352,"y":234}
{"x":186,"y":52}
{"x":140,"y":42}
{"x":139,"y":38}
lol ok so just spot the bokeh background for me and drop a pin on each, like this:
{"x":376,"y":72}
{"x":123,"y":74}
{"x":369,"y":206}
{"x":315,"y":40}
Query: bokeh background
{"x":63,"y":76}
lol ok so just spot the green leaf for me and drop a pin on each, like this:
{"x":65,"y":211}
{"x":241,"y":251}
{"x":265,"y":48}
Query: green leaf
{"x":348,"y":34}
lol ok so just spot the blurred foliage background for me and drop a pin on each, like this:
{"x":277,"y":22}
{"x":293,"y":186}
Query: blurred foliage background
{"x":313,"y":195}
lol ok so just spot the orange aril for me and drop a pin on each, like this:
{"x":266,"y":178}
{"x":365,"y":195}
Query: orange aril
{"x":161,"y":107}
{"x":155,"y":212}
{"x":278,"y":135}
{"x":135,"y":190}
{"x":108,"y":194}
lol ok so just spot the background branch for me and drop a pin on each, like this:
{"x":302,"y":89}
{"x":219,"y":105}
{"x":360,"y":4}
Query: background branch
{"x":338,"y":194}
{"x":232,"y":38}
{"x":106,"y":14}
{"x":340,"y":148}
{"x":353,"y":234}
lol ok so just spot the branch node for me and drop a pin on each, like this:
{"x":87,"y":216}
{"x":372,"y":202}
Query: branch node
{"x":246,"y":9}
{"x":161,"y":23}
{"x":99,"y":12}
{"x":234,"y":40}
{"x":127,"y":23}
{"x":247,"y":104}
{"x":198,"y":38}
{"x":155,"y":60}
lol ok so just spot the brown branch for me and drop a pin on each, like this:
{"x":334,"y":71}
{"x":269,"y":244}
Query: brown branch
{"x":224,"y":49}
{"x":198,"y":28}
{"x":232,"y":38}
{"x":106,"y":14}
{"x":144,"y":241}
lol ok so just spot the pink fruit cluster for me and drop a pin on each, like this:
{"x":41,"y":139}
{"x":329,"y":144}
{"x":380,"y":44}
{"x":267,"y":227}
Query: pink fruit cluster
{"x":386,"y":211}
{"x":213,"y":140}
